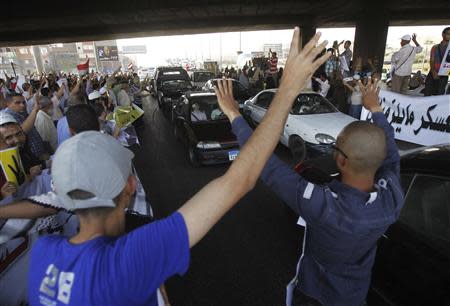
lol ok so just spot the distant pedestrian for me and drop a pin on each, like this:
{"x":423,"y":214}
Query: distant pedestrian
{"x":402,"y":62}
{"x":435,"y":84}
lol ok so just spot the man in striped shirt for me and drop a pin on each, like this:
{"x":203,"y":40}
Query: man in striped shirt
{"x":273,"y":71}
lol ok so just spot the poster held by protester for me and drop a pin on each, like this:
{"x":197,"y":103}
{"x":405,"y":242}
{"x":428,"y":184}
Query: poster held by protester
{"x":445,"y":64}
{"x":420,"y":120}
{"x":126,"y":115}
{"x":12,"y":166}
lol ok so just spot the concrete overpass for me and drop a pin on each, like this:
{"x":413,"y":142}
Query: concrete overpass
{"x":46,"y":21}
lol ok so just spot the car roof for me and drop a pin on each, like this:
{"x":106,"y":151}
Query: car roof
{"x":195,"y":94}
{"x":430,"y":159}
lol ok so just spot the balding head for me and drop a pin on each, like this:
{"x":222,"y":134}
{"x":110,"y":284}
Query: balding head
{"x":365,"y":146}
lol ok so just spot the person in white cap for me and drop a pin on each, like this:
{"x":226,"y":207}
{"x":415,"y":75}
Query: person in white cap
{"x":402,"y":62}
{"x":92,"y":176}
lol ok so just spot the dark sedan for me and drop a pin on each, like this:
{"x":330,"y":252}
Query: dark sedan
{"x":202,"y":126}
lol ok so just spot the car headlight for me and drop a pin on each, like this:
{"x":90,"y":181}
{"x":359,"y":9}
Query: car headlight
{"x":208,"y":145}
{"x":325,"y":138}
{"x":167,"y":99}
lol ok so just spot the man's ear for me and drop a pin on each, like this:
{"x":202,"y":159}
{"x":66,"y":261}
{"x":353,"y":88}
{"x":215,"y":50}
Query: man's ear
{"x":130,"y":186}
{"x":341,"y":161}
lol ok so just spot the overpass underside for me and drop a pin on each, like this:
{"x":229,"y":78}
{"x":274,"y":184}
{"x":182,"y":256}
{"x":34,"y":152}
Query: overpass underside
{"x":45,"y":21}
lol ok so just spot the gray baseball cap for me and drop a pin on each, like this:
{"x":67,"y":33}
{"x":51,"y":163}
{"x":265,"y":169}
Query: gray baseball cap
{"x":6,"y":118}
{"x":91,"y":162}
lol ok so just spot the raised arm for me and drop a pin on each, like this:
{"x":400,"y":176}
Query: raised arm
{"x":206,"y":208}
{"x":28,"y":124}
{"x":371,"y":102}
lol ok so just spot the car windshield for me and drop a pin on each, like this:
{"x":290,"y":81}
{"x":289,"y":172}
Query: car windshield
{"x":176,"y":84}
{"x":203,"y":76}
{"x":205,"y":109}
{"x":308,"y":104}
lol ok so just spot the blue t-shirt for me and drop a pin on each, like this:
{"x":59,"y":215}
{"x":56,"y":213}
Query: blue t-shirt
{"x":109,"y":271}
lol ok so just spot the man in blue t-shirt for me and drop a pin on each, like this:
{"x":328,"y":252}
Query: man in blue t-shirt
{"x":92,"y":176}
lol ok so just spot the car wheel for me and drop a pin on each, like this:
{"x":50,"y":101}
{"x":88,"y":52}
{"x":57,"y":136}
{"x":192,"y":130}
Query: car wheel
{"x":297,"y":146}
{"x":193,"y":157}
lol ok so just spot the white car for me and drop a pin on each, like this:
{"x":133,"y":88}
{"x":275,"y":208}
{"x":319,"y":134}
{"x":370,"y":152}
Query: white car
{"x":312,"y":125}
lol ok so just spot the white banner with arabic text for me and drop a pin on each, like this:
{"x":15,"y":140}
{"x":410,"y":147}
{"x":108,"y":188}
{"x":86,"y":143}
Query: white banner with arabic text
{"x":420,"y":120}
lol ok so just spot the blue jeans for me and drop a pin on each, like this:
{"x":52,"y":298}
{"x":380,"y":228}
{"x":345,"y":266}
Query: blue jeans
{"x":355,"y":111}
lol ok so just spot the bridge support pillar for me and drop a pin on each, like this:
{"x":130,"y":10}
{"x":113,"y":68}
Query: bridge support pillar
{"x":370,"y":40}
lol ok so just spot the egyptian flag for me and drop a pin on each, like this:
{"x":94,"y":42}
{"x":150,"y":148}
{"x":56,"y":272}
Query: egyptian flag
{"x":130,"y":66}
{"x":83,"y":68}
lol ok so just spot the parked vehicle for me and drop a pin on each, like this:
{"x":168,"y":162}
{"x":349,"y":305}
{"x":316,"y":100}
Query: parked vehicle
{"x":240,"y":93}
{"x":312,"y":126}
{"x":413,"y":259}
{"x":200,"y":77}
{"x":170,"y":84}
{"x":204,"y":129}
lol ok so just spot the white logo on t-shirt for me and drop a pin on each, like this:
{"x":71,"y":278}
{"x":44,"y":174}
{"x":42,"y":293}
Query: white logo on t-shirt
{"x":65,"y":281}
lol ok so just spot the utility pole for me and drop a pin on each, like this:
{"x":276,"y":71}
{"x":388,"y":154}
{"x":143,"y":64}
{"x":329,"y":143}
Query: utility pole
{"x":38,"y":59}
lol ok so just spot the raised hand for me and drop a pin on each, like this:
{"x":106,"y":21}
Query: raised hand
{"x":224,"y":92}
{"x":8,"y":189}
{"x":370,"y":94}
{"x":301,"y":63}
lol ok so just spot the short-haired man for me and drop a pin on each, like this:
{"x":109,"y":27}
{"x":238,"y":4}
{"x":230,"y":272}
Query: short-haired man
{"x":347,"y":55}
{"x":92,"y":176}
{"x":435,"y":84}
{"x":402,"y":62}
{"x":345,"y":218}
{"x":15,"y":106}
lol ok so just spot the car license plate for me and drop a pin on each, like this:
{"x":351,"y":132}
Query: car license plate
{"x":232,"y":155}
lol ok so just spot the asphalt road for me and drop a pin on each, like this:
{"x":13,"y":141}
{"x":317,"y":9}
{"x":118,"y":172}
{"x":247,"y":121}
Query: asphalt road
{"x":249,"y":256}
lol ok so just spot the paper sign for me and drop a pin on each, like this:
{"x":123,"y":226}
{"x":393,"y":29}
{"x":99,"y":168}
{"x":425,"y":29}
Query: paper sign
{"x":12,"y":166}
{"x":445,"y":64}
{"x":126,"y":115}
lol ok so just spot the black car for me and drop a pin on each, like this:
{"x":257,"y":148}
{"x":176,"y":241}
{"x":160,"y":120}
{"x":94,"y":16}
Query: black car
{"x":412,"y":265}
{"x":240,"y":93}
{"x":205,"y":130}
{"x":170,"y":84}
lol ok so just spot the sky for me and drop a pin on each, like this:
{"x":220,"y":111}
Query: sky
{"x":211,"y":46}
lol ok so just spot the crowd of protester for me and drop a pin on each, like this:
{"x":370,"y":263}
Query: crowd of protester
{"x":92,"y":175}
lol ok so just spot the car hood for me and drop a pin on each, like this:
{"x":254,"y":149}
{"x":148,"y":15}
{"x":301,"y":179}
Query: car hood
{"x":219,"y":131}
{"x":330,"y":123}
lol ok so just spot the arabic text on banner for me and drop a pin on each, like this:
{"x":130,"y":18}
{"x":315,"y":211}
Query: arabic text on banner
{"x":445,"y":64}
{"x":420,"y":120}
{"x":12,"y":166}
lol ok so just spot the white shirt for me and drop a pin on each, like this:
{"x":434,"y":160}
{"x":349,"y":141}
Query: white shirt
{"x":406,"y":54}
{"x":356,"y":97}
{"x":46,"y":128}
{"x":198,"y":116}
{"x":324,"y":87}
{"x":123,"y":99}
{"x":57,"y":113}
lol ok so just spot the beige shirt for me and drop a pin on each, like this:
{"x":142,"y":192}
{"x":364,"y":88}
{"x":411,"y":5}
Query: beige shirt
{"x":46,"y":128}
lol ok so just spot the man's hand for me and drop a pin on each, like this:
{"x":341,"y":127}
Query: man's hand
{"x":370,"y":94}
{"x":301,"y":63}
{"x":8,"y":189}
{"x":414,"y":37}
{"x":35,"y":171}
{"x":37,"y":104}
{"x":224,"y":92}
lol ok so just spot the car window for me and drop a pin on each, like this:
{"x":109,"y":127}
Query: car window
{"x":307,"y":104}
{"x":202,"y":76}
{"x":427,"y":208}
{"x":239,"y":90}
{"x":265,"y":99}
{"x":205,"y":109}
{"x":175,"y":84}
